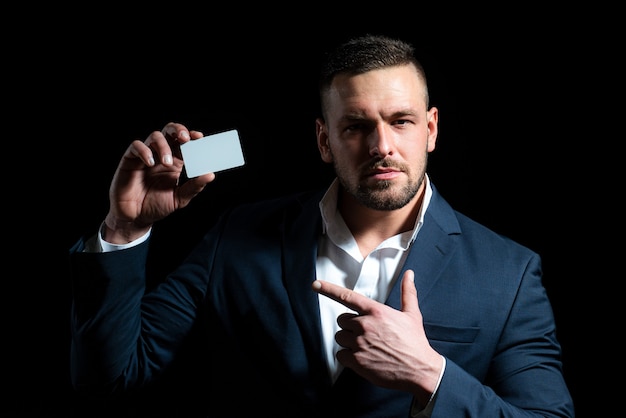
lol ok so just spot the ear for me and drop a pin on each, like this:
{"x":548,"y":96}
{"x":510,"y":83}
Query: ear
{"x":321,"y":132}
{"x":433,"y":128}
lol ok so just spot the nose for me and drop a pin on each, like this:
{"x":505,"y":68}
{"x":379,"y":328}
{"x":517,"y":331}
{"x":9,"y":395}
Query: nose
{"x":380,"y":142}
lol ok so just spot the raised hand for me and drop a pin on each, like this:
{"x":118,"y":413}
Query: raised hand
{"x":146,"y":186}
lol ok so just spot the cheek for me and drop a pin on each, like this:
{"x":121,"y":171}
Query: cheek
{"x":349,"y":153}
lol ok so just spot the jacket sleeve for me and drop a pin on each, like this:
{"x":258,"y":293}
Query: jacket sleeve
{"x":122,"y":336}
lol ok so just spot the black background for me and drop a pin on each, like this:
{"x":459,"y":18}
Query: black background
{"x":523,"y":99}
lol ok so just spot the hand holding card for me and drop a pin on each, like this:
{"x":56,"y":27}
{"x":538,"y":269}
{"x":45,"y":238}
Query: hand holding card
{"x":212,"y":153}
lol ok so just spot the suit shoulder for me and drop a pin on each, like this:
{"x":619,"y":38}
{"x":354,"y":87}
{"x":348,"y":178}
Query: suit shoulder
{"x":453,"y":222}
{"x":488,"y":237}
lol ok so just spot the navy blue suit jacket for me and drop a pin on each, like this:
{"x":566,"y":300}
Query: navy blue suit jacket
{"x":245,"y":296}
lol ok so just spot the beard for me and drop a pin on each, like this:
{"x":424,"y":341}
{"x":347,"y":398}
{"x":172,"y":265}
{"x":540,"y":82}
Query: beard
{"x":382,"y":195}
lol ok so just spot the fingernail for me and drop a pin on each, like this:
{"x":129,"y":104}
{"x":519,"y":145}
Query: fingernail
{"x":167,"y":159}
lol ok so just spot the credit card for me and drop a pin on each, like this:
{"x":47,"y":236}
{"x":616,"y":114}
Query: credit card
{"x":212,"y":153}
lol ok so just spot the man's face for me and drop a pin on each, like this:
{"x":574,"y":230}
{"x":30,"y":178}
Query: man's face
{"x":377,"y":134}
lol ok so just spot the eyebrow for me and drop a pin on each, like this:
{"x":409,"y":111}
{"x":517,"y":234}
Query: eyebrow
{"x":360,"y":116}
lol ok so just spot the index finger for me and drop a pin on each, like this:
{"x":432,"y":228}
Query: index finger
{"x":179,"y":132}
{"x":348,"y":298}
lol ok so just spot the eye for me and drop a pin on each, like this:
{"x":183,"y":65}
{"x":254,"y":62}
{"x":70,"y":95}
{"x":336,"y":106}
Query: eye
{"x":401,"y":122}
{"x":355,"y":127}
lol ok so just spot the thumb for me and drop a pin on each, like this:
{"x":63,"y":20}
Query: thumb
{"x":409,"y":292}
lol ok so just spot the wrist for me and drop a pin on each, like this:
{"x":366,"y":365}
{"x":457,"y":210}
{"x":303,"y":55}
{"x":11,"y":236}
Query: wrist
{"x":429,"y":381}
{"x":120,"y":231}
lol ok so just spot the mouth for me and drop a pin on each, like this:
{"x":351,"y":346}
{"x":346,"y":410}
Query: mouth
{"x":384,"y":173}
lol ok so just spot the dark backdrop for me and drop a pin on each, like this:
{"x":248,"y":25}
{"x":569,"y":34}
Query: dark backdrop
{"x":517,"y":148}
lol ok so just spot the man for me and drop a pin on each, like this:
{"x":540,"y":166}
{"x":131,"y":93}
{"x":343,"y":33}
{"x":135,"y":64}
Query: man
{"x":372,"y":298}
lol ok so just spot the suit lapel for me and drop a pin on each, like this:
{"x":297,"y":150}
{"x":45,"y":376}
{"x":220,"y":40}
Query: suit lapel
{"x":432,"y":249}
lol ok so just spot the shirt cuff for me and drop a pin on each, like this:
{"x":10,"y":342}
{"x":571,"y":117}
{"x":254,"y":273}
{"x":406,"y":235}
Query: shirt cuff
{"x":108,"y":247}
{"x":416,"y":409}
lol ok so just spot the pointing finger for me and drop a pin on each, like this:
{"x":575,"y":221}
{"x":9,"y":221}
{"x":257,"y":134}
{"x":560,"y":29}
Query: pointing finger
{"x":348,"y":298}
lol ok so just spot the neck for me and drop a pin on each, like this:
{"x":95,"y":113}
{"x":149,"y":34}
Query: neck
{"x":370,"y":227}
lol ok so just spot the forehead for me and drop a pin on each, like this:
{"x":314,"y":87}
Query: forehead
{"x":399,"y":86}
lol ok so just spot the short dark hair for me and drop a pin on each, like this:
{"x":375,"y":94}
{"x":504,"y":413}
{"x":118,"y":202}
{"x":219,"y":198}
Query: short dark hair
{"x":366,"y":53}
